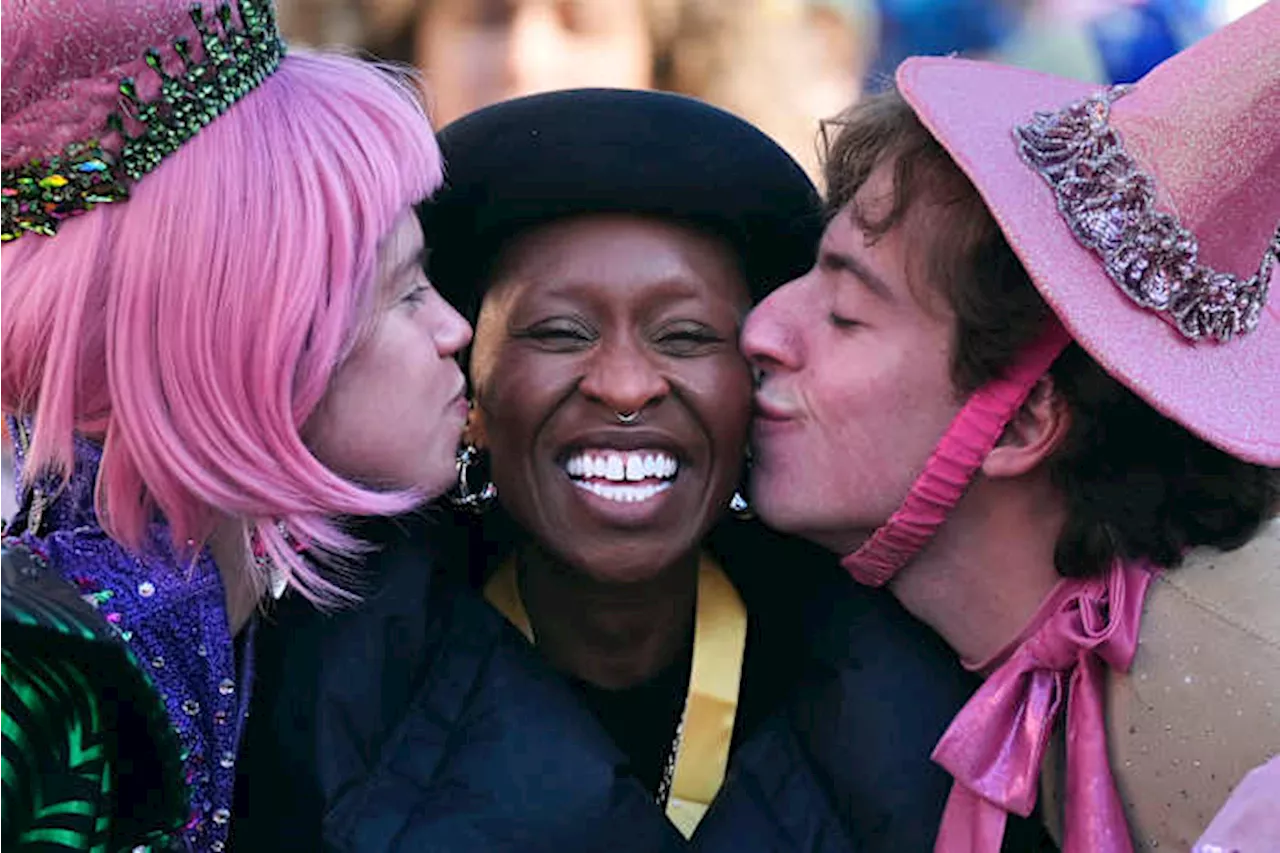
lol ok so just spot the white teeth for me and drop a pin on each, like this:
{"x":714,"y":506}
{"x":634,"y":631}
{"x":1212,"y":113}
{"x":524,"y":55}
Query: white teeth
{"x":621,"y":466}
{"x":622,"y":493}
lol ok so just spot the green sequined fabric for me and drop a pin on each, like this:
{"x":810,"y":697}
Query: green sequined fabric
{"x":38,"y":196}
{"x":59,"y":777}
{"x":88,"y":760}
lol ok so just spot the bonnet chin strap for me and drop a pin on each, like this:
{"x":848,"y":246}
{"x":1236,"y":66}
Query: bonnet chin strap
{"x":963,"y":448}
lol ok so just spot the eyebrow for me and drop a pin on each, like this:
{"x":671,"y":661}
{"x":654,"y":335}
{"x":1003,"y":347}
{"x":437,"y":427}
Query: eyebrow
{"x":848,"y":263}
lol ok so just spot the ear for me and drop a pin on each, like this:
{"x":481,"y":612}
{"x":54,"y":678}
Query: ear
{"x":474,"y":432}
{"x":1036,"y":431}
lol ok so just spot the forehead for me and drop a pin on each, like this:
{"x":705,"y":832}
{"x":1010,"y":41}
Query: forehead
{"x":402,"y":241}
{"x":400,"y":249}
{"x":893,"y":232}
{"x":612,"y":258}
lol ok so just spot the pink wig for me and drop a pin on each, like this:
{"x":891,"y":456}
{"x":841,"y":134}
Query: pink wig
{"x":194,"y":328}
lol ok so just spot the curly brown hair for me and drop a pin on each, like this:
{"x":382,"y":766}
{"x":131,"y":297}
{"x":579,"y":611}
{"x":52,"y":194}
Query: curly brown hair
{"x":1135,"y":483}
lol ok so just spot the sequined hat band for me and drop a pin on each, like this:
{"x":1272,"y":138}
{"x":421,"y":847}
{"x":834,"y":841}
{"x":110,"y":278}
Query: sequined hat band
{"x":1109,"y":203}
{"x":38,"y":195}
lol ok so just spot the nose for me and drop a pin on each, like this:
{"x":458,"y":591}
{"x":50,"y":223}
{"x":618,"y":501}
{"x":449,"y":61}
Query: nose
{"x":771,"y":337}
{"x":622,"y":378}
{"x":451,"y":331}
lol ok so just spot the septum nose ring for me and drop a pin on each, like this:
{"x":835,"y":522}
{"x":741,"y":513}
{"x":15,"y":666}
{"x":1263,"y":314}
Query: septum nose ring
{"x":627,"y":417}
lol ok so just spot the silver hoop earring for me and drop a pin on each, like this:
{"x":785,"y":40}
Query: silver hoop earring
{"x":464,"y":497}
{"x":627,"y":418}
{"x":739,"y":506}
{"x":277,"y":578}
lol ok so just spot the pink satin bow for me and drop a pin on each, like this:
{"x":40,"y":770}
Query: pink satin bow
{"x":995,"y":745}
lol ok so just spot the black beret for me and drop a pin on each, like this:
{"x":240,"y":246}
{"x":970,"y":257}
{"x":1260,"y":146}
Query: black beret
{"x":531,"y":160}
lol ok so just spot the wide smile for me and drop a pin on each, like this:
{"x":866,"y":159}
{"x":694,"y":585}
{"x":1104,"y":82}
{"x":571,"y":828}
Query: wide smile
{"x":622,"y":476}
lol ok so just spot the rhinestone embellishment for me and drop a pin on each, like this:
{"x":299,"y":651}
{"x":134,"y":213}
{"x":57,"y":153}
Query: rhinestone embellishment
{"x":37,"y":196}
{"x":1109,"y":203}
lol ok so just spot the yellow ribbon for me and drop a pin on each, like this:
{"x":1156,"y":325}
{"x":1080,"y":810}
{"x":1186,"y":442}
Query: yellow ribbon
{"x":711,"y":703}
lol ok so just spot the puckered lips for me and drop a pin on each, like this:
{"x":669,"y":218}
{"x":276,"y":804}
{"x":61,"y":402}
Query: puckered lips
{"x":770,"y":416}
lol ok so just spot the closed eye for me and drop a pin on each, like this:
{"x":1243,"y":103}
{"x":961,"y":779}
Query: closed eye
{"x":417,"y":294}
{"x":558,"y":335}
{"x":687,"y":339}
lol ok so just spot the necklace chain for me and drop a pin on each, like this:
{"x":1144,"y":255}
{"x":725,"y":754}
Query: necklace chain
{"x":669,"y":766}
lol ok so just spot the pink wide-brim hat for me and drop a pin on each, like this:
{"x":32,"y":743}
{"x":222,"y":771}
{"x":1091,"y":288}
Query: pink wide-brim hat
{"x":1205,"y":125}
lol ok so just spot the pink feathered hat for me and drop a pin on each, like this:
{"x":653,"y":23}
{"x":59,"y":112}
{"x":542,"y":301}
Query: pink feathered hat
{"x":1148,"y":218}
{"x":96,"y":93}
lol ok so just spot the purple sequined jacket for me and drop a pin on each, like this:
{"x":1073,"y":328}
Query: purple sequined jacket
{"x":172,"y":615}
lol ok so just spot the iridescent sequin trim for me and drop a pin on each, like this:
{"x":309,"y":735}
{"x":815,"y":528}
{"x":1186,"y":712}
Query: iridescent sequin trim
{"x":39,"y":195}
{"x":1108,"y":201}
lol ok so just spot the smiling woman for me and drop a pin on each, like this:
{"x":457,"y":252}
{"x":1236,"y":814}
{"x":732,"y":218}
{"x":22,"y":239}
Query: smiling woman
{"x":612,"y":402}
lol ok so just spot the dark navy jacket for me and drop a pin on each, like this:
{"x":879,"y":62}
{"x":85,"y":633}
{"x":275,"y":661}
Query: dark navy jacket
{"x":422,"y":722}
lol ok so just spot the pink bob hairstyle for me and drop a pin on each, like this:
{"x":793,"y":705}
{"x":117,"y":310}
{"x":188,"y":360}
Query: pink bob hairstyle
{"x":194,"y":328}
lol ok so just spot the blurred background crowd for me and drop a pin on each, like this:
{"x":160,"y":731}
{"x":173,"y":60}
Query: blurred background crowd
{"x":782,"y":64}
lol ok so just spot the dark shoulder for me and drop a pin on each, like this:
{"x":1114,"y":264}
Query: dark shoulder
{"x":495,"y":752}
{"x":863,"y":690}
{"x":329,"y":683}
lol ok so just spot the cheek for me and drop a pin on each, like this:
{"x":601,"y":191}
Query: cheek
{"x":389,"y":373}
{"x":722,"y":394}
{"x":892,"y":421}
{"x":860,"y":402}
{"x":516,"y":400}
{"x":404,"y":354}
{"x":734,"y":402}
{"x":335,"y":431}
{"x":517,"y":383}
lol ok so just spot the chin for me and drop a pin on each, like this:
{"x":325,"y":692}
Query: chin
{"x":622,"y":569}
{"x":777,"y":510}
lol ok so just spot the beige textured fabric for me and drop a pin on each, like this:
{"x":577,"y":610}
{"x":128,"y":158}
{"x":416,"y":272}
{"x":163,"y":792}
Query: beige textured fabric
{"x":1201,"y":706}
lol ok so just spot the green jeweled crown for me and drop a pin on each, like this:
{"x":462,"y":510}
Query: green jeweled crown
{"x":37,"y":196}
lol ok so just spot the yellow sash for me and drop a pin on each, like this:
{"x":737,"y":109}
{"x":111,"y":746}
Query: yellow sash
{"x":711,"y":704}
